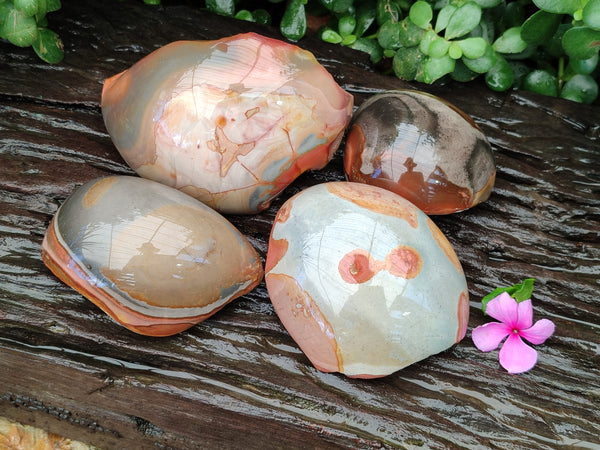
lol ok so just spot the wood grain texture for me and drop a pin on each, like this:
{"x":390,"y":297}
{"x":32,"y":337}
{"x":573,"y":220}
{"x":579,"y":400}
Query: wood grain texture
{"x":238,"y":380}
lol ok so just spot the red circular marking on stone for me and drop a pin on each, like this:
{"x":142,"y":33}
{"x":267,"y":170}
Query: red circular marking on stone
{"x":404,"y":261}
{"x":357,"y":267}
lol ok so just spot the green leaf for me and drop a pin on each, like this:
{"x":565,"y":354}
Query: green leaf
{"x":388,"y":35}
{"x":527,"y":53}
{"x":244,"y":14}
{"x":370,"y":46}
{"x":19,"y":29}
{"x":5,"y":8}
{"x":221,"y":7}
{"x":407,"y":62}
{"x":500,"y":77}
{"x":337,"y":6}
{"x":152,"y":2}
{"x":524,"y":290}
{"x":387,"y":10}
{"x":484,"y":63}
{"x":485,"y":29}
{"x":365,"y":17}
{"x":439,"y":47}
{"x":408,"y":33}
{"x":348,"y":40}
{"x":27,"y":7}
{"x":331,"y":36}
{"x":262,"y":16}
{"x":510,"y":41}
{"x":462,"y":73}
{"x":520,"y":71}
{"x":455,"y":51}
{"x":512,"y":16}
{"x":488,"y":3}
{"x":346,"y":25}
{"x":52,"y":5}
{"x":427,"y":40}
{"x":554,"y":46}
{"x":42,"y":9}
{"x":444,"y":16}
{"x":558,"y":6}
{"x":583,"y":66}
{"x":580,"y":88}
{"x":581,"y":42}
{"x":540,"y":27}
{"x":293,"y":22}
{"x":48,"y":46}
{"x":591,"y":14}
{"x":473,"y":47}
{"x":464,"y":20}
{"x":520,"y":292}
{"x":327,"y":4}
{"x":421,"y":14}
{"x":542,"y":82}
{"x":436,"y":68}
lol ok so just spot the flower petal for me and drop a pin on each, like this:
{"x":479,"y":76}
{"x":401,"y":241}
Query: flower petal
{"x":487,"y":337}
{"x":539,"y":332}
{"x":503,"y":308}
{"x":516,"y":356}
{"x":525,"y":313}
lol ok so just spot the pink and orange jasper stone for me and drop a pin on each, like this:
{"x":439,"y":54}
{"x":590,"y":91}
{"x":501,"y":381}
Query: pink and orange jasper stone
{"x":363,"y":280}
{"x":231,"y":122}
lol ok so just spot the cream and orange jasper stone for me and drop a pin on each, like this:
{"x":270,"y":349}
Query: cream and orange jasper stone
{"x":231,"y":122}
{"x":153,"y":258}
{"x":363,"y":280}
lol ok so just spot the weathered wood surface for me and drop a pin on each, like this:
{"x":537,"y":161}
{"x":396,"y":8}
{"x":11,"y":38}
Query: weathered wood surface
{"x":238,"y":380}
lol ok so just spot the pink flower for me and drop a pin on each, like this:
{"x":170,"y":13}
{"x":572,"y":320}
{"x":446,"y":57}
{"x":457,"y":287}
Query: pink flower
{"x":515,"y":322}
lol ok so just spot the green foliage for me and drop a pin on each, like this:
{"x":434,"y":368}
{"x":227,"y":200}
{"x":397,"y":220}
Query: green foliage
{"x":48,"y":46}
{"x":581,"y":42}
{"x":545,"y":46}
{"x":293,"y":22}
{"x":510,"y":42}
{"x":23,"y":23}
{"x":580,"y":88}
{"x":421,"y":14}
{"x":221,"y":7}
{"x":540,"y":27}
{"x":463,"y":20}
{"x":542,"y":82}
{"x":500,"y":76}
{"x":520,"y":292}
